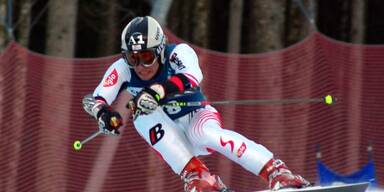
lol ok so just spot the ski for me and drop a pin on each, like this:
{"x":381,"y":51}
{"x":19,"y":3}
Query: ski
{"x":356,"y":187}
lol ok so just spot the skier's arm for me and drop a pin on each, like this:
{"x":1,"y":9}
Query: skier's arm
{"x":98,"y":103}
{"x":185,"y":62}
{"x":113,"y":82}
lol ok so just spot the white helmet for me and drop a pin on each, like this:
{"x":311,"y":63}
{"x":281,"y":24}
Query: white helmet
{"x":142,"y":41}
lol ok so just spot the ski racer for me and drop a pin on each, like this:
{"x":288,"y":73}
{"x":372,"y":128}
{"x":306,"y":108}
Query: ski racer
{"x":156,"y":73}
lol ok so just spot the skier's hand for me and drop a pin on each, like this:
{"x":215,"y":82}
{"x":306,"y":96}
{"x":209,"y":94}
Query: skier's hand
{"x":109,"y":121}
{"x":146,"y":101}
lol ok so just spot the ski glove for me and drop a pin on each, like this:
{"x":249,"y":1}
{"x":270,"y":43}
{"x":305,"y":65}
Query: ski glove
{"x":109,"y":120}
{"x":146,"y":101}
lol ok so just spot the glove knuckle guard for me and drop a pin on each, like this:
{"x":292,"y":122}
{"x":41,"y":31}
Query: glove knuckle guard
{"x":88,"y":103}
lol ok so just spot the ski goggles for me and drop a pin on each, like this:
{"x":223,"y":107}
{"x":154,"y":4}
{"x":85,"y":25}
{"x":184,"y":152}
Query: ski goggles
{"x":145,"y":58}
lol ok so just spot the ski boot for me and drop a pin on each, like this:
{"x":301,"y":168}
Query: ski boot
{"x":197,"y":178}
{"x":277,"y":174}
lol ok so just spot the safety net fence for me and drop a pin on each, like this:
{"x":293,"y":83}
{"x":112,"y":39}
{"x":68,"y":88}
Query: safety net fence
{"x":41,"y":115}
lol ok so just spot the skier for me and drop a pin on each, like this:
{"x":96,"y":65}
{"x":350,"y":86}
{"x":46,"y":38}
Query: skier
{"x":154,"y":73}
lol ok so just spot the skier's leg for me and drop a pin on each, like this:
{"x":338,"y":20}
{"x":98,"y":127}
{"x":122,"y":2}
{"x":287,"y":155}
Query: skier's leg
{"x":163,"y":135}
{"x":206,"y":132}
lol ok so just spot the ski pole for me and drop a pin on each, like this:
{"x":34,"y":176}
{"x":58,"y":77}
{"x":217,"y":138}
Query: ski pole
{"x":328,"y":100}
{"x":78,"y":144}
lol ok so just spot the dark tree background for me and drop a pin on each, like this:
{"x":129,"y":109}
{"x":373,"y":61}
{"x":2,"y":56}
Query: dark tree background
{"x":265,"y":25}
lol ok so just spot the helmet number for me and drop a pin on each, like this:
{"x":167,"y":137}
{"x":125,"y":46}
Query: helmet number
{"x":138,"y":37}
